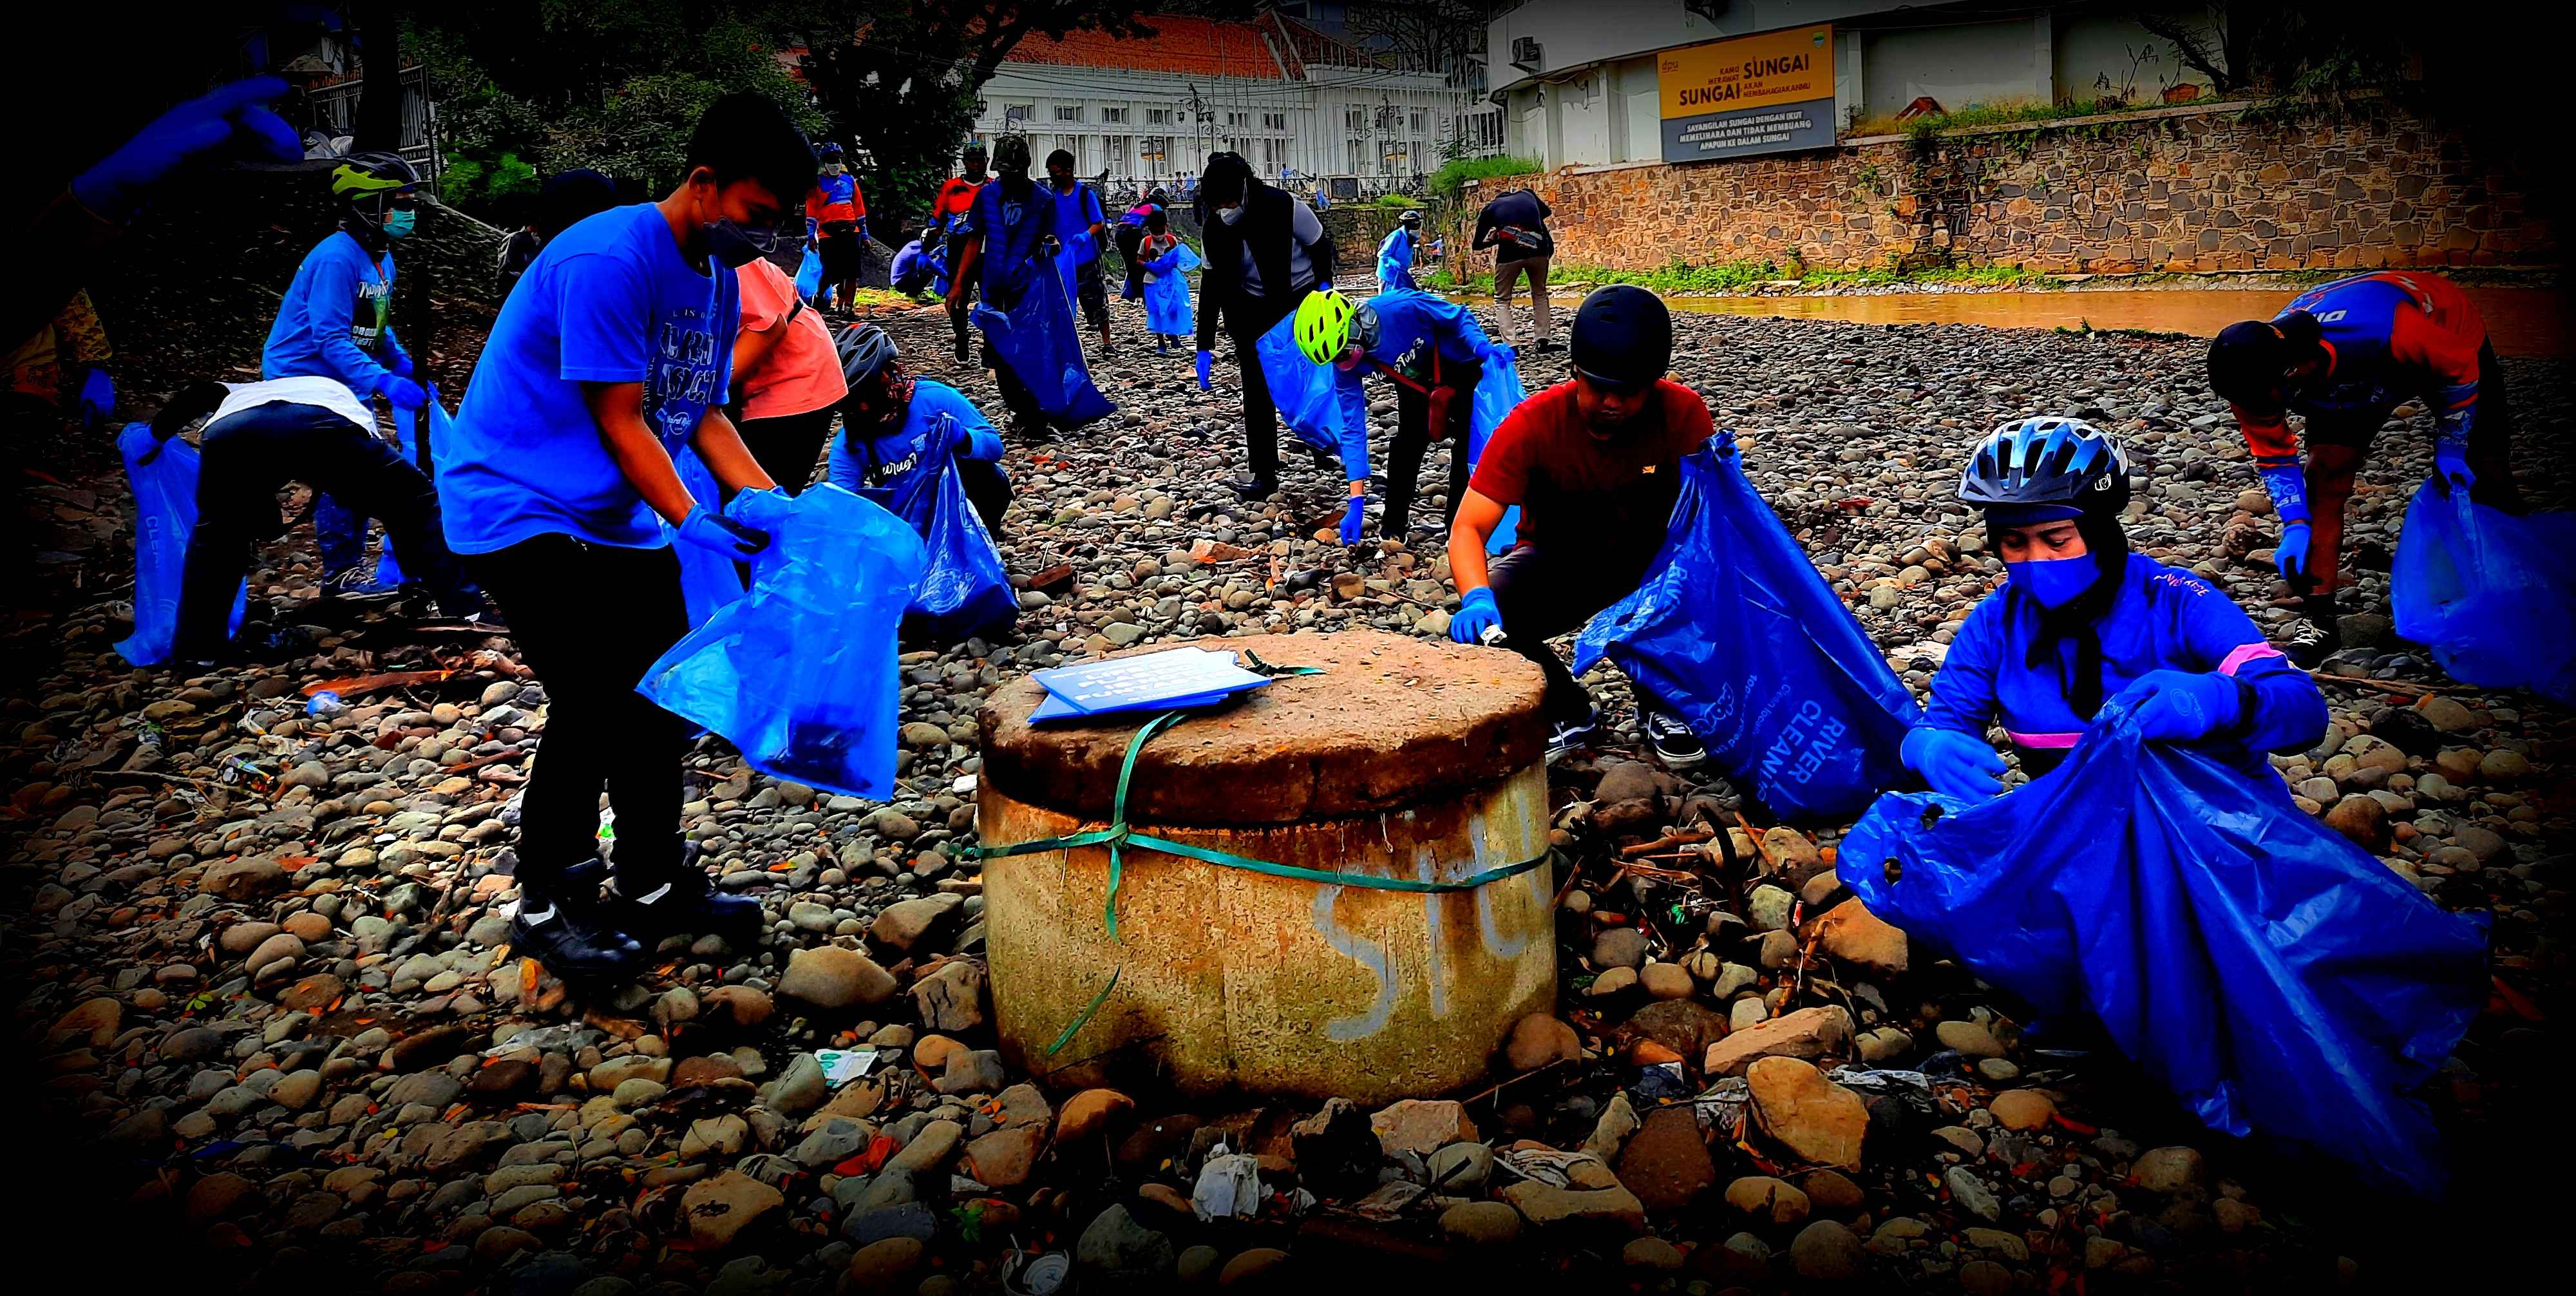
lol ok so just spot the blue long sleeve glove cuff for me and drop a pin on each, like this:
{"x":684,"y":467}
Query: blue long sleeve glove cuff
{"x":2288,"y":489}
{"x":2451,"y":457}
{"x":1205,"y":359}
{"x":1476,"y":614}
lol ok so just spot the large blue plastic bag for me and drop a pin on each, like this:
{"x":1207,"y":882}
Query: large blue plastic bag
{"x":1497,"y":394}
{"x":1733,"y":629}
{"x":800,"y":676}
{"x":709,"y":581}
{"x":809,"y":273}
{"x":2493,"y":595}
{"x":964,"y":591}
{"x":165,"y":513}
{"x":389,"y":567}
{"x":1167,"y":299}
{"x":1036,"y":338}
{"x":2273,"y":977}
{"x":1304,"y":393}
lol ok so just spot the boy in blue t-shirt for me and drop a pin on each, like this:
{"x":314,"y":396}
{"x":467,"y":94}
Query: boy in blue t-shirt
{"x":1079,"y":221}
{"x":611,"y":354}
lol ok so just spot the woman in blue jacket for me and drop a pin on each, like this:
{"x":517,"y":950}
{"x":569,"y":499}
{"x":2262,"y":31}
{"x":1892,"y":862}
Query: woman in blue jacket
{"x":888,"y":419}
{"x":2081,"y":620}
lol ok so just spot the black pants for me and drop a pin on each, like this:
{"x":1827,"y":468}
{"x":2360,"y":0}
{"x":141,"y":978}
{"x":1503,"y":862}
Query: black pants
{"x":1455,"y":394}
{"x":246,"y":456}
{"x":1131,"y":240}
{"x":988,"y":488}
{"x":1091,"y":293}
{"x":1542,"y":595}
{"x":788,"y":447}
{"x":590,"y":618}
{"x":1246,"y":319}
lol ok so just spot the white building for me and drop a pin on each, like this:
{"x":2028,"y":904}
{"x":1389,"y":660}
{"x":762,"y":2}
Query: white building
{"x":1291,"y":100}
{"x":1576,"y":79}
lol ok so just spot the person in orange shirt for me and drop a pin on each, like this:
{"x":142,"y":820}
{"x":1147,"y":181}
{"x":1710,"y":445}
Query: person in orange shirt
{"x":836,"y":224}
{"x":786,"y":374}
{"x":956,"y":198}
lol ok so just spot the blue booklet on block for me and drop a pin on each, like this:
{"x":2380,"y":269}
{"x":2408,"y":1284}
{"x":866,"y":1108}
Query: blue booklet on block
{"x":1176,"y":678}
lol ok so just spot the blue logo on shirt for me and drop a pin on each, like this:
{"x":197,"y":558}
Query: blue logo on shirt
{"x":684,"y":374}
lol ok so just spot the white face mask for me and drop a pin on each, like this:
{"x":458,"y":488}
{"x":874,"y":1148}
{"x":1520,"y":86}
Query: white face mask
{"x":1229,"y":214}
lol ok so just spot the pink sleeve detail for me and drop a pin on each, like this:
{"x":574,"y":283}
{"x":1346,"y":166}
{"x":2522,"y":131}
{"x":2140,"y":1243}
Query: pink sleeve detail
{"x":2243,"y":653}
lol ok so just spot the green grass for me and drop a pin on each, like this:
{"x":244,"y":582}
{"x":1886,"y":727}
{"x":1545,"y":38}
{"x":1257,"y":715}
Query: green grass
{"x":1397,"y":202}
{"x":1736,"y":277}
{"x":1451,"y":179}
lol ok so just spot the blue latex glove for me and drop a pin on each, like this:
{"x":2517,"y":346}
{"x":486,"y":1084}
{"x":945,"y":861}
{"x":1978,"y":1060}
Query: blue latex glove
{"x":97,"y":395}
{"x":863,"y":227}
{"x":810,"y":230}
{"x":1476,"y":614}
{"x":191,"y":132}
{"x":399,"y":363}
{"x":1205,"y":359}
{"x":2451,"y":461}
{"x":1351,"y":521}
{"x":403,"y":392}
{"x":1953,"y":763}
{"x":710,"y":529}
{"x":2181,"y":706}
{"x":2291,"y":554}
{"x":1498,"y":353}
{"x":1723,"y":441}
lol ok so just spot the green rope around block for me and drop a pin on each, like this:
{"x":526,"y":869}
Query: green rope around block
{"x":1120,"y":835}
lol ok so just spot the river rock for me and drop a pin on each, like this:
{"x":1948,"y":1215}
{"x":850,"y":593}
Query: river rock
{"x":1817,"y":1121}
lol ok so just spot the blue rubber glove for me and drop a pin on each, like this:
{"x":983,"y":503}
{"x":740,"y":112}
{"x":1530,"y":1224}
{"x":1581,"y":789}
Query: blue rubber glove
{"x":1205,"y":359}
{"x":1351,"y":520}
{"x":811,"y":230}
{"x":712,"y":530}
{"x":399,"y":363}
{"x":403,"y":392}
{"x":193,"y":131}
{"x":1498,"y":353}
{"x":1476,"y":614}
{"x":2181,"y":706}
{"x":863,"y":228}
{"x":1953,"y":763}
{"x":97,"y":395}
{"x":2451,"y":461}
{"x":1723,"y":441}
{"x":2291,"y":554}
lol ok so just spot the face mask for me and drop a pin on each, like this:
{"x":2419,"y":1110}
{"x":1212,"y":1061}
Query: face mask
{"x":2055,"y":582}
{"x":1229,"y":214}
{"x":730,"y":243}
{"x":398,"y":224}
{"x":833,"y":168}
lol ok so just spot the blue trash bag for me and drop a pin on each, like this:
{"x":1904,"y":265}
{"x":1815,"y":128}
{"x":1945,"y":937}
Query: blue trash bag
{"x":2276,"y":979}
{"x":1305,"y":394}
{"x":964,"y":591}
{"x":1036,"y":338}
{"x":801,"y":675}
{"x":709,"y":581}
{"x":1497,"y":394}
{"x":165,"y":513}
{"x":1167,"y":299}
{"x":1735,"y":631}
{"x":809,"y":273}
{"x":389,"y":567}
{"x":2493,"y":595}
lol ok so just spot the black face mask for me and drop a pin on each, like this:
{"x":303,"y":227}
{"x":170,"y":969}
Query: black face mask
{"x":735,"y":246}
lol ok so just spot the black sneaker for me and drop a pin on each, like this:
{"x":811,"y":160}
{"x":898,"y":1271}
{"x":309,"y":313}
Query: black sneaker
{"x":1255,"y":488}
{"x":1546,"y":345}
{"x":686,"y":903}
{"x":574,"y":940}
{"x":1565,"y":738}
{"x":358,"y":585}
{"x":1675,"y":745}
{"x":2310,"y":641}
{"x":961,"y":350}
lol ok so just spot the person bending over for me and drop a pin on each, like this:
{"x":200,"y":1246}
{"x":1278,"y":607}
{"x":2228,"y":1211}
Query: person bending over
{"x":887,"y":419}
{"x":1436,"y":354}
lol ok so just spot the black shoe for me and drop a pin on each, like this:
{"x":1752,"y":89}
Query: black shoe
{"x":1255,"y":488}
{"x":2311,"y":641}
{"x":1549,"y":345}
{"x":358,"y":585}
{"x":1565,"y":738}
{"x":572,"y":939}
{"x":961,"y":350}
{"x":1675,"y":745}
{"x":686,"y":903}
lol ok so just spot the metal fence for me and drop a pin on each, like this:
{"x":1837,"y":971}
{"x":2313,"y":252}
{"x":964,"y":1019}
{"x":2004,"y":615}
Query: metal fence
{"x":1118,"y":192}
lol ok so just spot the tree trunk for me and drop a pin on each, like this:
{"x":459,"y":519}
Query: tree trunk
{"x":380,"y":98}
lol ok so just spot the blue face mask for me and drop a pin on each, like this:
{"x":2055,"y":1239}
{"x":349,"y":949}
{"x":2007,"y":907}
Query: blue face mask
{"x":2056,"y":581}
{"x":398,"y":223}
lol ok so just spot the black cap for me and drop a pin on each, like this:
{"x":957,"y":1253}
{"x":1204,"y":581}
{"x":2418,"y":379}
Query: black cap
{"x":1623,"y":337}
{"x":2246,"y":361}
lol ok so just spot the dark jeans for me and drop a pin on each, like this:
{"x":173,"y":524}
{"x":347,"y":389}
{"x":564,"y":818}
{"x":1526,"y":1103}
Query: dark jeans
{"x":1543,"y":595}
{"x":245,"y":457}
{"x":1091,"y":293}
{"x":788,"y":447}
{"x":1246,"y":319}
{"x":1414,"y":434}
{"x":590,"y":618}
{"x":1131,"y":240}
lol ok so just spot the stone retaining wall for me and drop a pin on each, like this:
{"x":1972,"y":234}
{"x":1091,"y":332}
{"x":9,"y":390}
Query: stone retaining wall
{"x":2196,"y":189}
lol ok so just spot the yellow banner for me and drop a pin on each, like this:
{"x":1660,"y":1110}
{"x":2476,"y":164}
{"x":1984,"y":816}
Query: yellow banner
{"x":1775,"y":67}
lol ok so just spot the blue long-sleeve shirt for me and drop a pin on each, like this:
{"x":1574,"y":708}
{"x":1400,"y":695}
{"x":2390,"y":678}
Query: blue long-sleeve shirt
{"x":878,"y":461}
{"x":1395,"y":260}
{"x":1411,"y":327}
{"x":336,"y":320}
{"x":2162,"y":619}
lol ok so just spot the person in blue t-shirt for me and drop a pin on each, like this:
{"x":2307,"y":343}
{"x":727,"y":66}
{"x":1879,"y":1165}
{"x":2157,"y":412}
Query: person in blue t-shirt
{"x":2081,"y":620}
{"x":556,"y":484}
{"x":336,"y":321}
{"x":1079,"y":221}
{"x":887,"y":419}
{"x":1009,"y":237}
{"x":1436,"y":353}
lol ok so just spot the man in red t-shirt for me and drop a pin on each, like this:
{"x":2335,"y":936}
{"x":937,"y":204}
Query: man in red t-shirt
{"x":1595,"y":466}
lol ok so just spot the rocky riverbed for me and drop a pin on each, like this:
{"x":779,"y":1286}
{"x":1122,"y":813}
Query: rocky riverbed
{"x":270,"y":1033}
